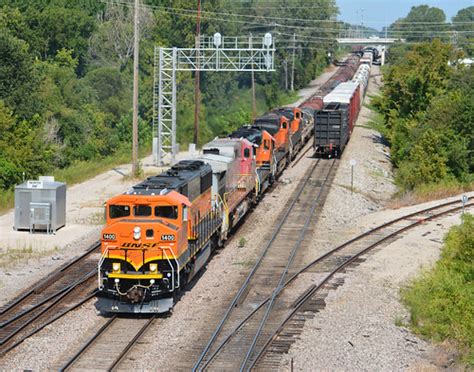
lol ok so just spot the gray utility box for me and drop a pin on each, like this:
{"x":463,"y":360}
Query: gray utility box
{"x":40,"y":205}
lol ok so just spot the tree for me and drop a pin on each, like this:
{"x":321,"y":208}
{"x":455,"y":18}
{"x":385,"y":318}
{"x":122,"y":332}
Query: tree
{"x":18,"y":80}
{"x":423,"y":23}
{"x":463,"y":24}
{"x":112,"y":44}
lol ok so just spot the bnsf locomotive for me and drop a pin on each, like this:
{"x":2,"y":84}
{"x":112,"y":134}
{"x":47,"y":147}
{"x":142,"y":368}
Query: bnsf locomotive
{"x":162,"y":231}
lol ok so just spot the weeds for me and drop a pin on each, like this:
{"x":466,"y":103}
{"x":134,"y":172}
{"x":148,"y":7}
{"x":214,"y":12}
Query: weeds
{"x":400,"y":321}
{"x":242,"y":242}
{"x":441,"y":301}
{"x":11,"y":257}
{"x":428,"y":192}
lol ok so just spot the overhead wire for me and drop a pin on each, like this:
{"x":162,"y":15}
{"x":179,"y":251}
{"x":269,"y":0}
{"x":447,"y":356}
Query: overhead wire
{"x":183,"y":11}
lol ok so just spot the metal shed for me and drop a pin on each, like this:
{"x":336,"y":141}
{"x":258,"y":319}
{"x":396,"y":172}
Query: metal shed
{"x":40,"y":205}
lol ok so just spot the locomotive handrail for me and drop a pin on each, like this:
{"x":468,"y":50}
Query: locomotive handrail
{"x":172,"y":267}
{"x":99,"y":265}
{"x":257,"y":182}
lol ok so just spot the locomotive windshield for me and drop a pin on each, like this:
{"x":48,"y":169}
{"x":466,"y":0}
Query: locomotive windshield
{"x":166,"y":211}
{"x":117,"y":211}
{"x":142,"y":210}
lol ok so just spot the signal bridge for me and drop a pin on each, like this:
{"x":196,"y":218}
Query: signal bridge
{"x":216,"y":53}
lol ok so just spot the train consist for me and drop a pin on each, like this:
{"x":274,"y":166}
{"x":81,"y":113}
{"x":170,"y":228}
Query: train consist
{"x":161,"y":232}
{"x":335,"y":120}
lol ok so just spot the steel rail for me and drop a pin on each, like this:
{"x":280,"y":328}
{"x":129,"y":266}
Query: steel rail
{"x":101,"y":330}
{"x":10,"y":305}
{"x":280,"y":284}
{"x":293,"y":164}
{"x":50,"y":321}
{"x":48,"y":308}
{"x":323,"y":257}
{"x":313,"y":289}
{"x":131,"y":343}
{"x":254,"y":269}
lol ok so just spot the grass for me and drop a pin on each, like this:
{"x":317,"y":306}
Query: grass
{"x":7,"y":198}
{"x":400,"y":321}
{"x":377,"y":123}
{"x":11,"y":257}
{"x":428,"y":192}
{"x":84,"y":170}
{"x":441,"y":300}
{"x":78,"y":172}
{"x":242,"y":242}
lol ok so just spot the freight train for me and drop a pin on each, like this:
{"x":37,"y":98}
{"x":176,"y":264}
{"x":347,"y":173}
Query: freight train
{"x":334,"y":121}
{"x":162,"y":231}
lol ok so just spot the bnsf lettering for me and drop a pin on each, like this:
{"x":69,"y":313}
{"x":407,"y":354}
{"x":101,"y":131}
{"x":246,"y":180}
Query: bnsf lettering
{"x":139,"y":245}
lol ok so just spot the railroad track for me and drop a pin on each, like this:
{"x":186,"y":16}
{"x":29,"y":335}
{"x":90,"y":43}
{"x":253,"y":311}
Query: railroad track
{"x":300,"y":305}
{"x":110,"y":344}
{"x":268,"y":275}
{"x":60,"y":292}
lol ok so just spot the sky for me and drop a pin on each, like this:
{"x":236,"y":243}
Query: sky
{"x":378,"y":13}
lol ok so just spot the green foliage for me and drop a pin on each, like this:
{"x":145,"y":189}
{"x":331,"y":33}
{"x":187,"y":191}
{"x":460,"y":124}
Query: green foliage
{"x":420,"y":24}
{"x":427,"y":108}
{"x":441,"y":301}
{"x":17,"y":75}
{"x":66,"y":77}
{"x":462,"y":22}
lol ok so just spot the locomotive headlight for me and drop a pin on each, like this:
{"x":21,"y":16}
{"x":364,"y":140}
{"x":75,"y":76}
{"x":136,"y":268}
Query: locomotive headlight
{"x":116,"y":267}
{"x":137,"y":232}
{"x":153,"y":267}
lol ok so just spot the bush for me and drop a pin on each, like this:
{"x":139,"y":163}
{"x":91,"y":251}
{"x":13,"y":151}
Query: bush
{"x":441,"y":301}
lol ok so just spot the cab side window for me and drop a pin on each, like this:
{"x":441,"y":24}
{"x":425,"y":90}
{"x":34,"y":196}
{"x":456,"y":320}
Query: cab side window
{"x":266,"y":144}
{"x":246,"y":153}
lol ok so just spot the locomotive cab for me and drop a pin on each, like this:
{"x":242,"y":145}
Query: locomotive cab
{"x":142,"y":243}
{"x":157,"y":236}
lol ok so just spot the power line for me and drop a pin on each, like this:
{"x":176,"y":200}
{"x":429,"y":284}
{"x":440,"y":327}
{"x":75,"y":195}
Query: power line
{"x":176,"y":11}
{"x":393,"y":33}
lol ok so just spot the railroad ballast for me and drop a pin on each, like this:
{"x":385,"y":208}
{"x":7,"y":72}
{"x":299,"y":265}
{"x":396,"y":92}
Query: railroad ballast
{"x":162,"y":231}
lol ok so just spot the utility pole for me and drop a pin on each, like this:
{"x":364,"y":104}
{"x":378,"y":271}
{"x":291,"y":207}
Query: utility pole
{"x":197,"y":91}
{"x":285,"y":64}
{"x":293,"y":64}
{"x":136,"y":36}
{"x":254,"y":100}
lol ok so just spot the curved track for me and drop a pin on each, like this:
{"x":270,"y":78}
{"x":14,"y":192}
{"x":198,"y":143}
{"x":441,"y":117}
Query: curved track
{"x":60,"y":292}
{"x":286,"y":328}
{"x":268,"y":274}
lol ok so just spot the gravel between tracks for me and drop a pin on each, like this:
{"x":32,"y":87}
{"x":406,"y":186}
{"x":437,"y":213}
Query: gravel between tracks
{"x":212,"y":291}
{"x":357,"y":329}
{"x":385,"y":347}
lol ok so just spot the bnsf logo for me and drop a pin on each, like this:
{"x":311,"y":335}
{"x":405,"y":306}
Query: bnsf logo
{"x":139,"y":245}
